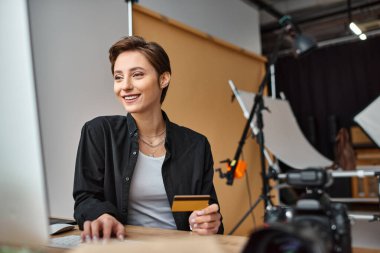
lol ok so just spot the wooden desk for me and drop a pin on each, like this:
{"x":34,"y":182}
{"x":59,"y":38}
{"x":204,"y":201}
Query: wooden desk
{"x":150,"y":239}
{"x":153,"y":240}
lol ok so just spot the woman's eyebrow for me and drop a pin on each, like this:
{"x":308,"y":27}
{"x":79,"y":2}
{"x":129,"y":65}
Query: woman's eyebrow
{"x":136,"y":68}
{"x":130,"y":70}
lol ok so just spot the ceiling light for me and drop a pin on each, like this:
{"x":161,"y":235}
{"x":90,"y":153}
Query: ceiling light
{"x":355,"y":29}
{"x":363,"y":36}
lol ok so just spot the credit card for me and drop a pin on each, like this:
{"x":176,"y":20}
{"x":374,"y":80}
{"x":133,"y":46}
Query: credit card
{"x":188,"y":203}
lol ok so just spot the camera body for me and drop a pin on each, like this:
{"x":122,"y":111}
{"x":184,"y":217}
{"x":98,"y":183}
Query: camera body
{"x":316,"y":219}
{"x":313,"y":225}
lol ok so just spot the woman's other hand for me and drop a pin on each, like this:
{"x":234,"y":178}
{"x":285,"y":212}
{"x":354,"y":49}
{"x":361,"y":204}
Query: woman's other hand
{"x":104,"y":227}
{"x":206,"y":221}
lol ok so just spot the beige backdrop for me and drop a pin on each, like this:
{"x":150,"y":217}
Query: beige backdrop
{"x":199,"y":97}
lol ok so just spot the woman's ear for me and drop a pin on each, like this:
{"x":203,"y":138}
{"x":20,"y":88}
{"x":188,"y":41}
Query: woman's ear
{"x":164,"y":79}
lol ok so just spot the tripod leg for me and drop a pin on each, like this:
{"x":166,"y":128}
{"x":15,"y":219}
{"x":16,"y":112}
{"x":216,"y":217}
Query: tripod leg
{"x":246,"y":214}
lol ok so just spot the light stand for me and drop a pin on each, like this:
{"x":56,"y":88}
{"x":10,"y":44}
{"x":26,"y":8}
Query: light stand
{"x":130,"y":14}
{"x":258,"y":107}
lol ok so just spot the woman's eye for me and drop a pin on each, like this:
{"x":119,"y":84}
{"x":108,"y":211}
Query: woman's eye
{"x":118,"y":77}
{"x":138,"y":74}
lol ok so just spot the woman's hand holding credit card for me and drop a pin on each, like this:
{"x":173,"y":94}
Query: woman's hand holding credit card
{"x":204,"y":219}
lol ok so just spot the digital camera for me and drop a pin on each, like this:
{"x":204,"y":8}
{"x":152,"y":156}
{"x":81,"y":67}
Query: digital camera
{"x":313,"y":225}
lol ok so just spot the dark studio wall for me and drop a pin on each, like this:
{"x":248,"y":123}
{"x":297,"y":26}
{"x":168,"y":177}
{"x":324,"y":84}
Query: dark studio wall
{"x":329,"y":86}
{"x":326,"y":89}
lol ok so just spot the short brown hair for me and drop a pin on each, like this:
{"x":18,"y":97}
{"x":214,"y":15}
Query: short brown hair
{"x":154,"y":53}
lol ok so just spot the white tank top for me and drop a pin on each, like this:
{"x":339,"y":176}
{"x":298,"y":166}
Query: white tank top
{"x":148,"y":203}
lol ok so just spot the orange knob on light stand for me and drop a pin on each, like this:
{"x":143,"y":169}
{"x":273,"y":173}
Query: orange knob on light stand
{"x":240,"y":168}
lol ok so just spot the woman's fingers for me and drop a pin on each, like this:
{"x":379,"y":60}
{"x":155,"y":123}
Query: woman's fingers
{"x":205,"y":221}
{"x":105,"y":226}
{"x":120,"y":231}
{"x":211,"y":209}
{"x":206,"y":231}
{"x":107,"y":229}
{"x":95,"y":230}
{"x":207,"y":218}
{"x":86,"y":233}
{"x":207,"y":225}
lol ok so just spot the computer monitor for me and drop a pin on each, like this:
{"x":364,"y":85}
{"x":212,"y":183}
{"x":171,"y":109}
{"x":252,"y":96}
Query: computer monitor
{"x":23,"y":198}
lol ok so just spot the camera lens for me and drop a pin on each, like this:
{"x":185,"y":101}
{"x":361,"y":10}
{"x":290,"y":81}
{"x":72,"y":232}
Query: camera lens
{"x":282,"y":239}
{"x":287,"y":244}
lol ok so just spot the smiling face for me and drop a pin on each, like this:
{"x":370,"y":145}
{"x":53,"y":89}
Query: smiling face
{"x":136,"y":83}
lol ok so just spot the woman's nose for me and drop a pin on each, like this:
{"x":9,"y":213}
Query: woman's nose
{"x":127,"y":84}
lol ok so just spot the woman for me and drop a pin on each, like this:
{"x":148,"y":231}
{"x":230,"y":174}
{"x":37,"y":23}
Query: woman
{"x":129,"y":168}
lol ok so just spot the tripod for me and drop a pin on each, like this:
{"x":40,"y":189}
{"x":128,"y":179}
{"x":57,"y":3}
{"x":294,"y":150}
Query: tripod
{"x":257,"y":108}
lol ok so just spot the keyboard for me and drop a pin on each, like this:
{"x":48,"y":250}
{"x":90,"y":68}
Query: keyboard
{"x":9,"y":249}
{"x":66,"y":242}
{"x":59,"y":220}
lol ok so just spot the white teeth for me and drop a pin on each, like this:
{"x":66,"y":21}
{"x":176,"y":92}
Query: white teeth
{"x":130,"y":97}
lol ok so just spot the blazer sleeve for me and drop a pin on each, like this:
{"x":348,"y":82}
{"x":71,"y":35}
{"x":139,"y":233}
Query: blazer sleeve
{"x":88,"y":190}
{"x":208,"y":184}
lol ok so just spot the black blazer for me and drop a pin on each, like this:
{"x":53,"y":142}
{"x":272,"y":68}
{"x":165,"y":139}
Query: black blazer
{"x":107,"y":156}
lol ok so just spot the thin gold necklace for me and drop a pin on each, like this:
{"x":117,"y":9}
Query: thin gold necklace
{"x":151,"y":145}
{"x":152,"y":136}
{"x":153,"y":148}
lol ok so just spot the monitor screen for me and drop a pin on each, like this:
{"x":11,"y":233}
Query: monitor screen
{"x":23,"y":209}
